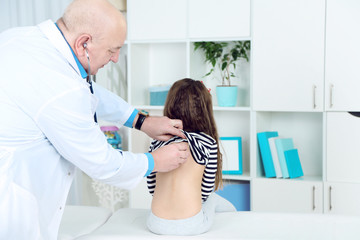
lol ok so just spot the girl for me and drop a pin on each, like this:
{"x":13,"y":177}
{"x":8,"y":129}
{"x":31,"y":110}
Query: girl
{"x":183,"y":202}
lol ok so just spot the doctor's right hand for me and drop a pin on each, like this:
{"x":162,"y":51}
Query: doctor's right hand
{"x":171,"y":156}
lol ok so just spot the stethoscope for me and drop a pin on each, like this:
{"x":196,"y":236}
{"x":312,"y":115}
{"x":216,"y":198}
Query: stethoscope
{"x":89,"y":75}
{"x":88,"y":59}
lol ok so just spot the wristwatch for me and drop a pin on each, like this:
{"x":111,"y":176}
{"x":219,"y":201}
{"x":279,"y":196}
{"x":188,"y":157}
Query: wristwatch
{"x":142,"y":115}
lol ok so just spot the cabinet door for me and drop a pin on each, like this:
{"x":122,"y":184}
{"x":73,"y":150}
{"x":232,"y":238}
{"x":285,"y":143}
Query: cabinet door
{"x":342,"y":55}
{"x":342,"y":150}
{"x":280,"y":195}
{"x":219,"y":19}
{"x":157,"y":19}
{"x":288,"y":54}
{"x":342,"y":198}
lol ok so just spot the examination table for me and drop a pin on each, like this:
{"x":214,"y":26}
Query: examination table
{"x":91,"y":223}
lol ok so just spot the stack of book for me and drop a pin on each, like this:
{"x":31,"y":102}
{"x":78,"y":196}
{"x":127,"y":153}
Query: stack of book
{"x":279,"y":157}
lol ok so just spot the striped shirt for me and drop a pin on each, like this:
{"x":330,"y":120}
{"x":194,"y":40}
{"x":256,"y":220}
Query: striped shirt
{"x":203,"y":149}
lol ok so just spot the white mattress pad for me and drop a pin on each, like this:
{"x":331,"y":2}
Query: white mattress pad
{"x":131,"y":224}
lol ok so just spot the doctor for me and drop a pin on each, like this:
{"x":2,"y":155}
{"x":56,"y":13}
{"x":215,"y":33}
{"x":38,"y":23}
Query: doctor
{"x":47,"y":125}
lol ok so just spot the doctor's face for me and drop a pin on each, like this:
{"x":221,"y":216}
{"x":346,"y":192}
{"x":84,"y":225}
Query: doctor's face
{"x":106,"y":50}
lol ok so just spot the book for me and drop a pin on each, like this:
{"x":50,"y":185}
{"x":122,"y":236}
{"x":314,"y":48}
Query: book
{"x":275,"y":157}
{"x":293,"y":163}
{"x":265,"y":152}
{"x":282,"y":145}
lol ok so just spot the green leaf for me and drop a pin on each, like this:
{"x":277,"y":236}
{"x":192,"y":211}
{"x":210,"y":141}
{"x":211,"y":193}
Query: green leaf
{"x":223,"y":66}
{"x":235,"y":53}
{"x":222,"y":54}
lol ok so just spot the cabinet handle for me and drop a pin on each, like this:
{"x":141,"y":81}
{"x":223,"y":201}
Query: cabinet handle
{"x":314,"y":96}
{"x":330,"y":204}
{"x":331,"y":95}
{"x":313,"y":202}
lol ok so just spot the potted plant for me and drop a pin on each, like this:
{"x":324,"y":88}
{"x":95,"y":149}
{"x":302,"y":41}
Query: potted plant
{"x":224,"y":56}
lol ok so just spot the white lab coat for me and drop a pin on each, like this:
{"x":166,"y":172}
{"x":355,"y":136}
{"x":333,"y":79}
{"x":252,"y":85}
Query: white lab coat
{"x":47,"y":129}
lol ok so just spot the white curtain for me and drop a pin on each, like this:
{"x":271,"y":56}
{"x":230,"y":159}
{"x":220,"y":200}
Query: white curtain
{"x":16,"y":13}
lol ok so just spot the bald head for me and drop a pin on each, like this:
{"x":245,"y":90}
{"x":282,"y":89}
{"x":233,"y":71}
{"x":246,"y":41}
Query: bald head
{"x":98,"y":24}
{"x":94,"y":17}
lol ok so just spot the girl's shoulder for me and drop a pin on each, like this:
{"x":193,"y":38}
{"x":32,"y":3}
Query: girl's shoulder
{"x":202,"y":146}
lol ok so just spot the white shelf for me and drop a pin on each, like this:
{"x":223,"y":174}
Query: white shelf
{"x":212,"y":39}
{"x":158,"y":41}
{"x":308,"y":178}
{"x":243,"y":177}
{"x":216,"y":108}
{"x":232,"y":109}
{"x":149,"y":107}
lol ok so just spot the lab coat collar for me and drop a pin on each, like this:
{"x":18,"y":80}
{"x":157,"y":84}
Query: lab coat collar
{"x":81,"y":68}
{"x":55,"y":36}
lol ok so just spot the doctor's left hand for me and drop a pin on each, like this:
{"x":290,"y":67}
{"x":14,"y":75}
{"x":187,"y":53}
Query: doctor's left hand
{"x":162,"y":128}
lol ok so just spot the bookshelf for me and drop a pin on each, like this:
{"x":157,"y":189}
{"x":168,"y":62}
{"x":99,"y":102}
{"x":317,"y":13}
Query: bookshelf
{"x":285,"y":89}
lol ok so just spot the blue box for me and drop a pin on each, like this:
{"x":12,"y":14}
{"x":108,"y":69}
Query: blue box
{"x":158,"y":95}
{"x":238,"y":193}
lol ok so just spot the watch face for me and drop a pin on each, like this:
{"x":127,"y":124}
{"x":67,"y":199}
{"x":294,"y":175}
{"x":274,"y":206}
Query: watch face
{"x":142,"y":116}
{"x":143,"y":112}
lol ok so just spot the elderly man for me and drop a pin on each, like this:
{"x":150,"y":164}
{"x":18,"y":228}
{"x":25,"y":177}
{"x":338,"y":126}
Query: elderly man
{"x":47,"y":125}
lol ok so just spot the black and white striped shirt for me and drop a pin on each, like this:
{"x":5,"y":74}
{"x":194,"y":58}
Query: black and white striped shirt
{"x":203,"y":149}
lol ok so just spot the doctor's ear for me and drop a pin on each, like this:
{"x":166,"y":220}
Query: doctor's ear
{"x":82,"y":44}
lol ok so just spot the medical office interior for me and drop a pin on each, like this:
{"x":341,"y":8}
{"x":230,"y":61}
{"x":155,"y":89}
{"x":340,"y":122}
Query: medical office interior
{"x":300,"y":82}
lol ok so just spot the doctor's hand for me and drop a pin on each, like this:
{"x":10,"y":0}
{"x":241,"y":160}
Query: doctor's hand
{"x":162,"y":128}
{"x":171,"y":156}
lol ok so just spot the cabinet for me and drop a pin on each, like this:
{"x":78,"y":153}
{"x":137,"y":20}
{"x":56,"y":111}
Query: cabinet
{"x":341,"y":191}
{"x":342,"y":188}
{"x":287,"y":96}
{"x":342,"y":150}
{"x":342,"y":198}
{"x":156,"y":19}
{"x":342,"y":55}
{"x":214,"y":18}
{"x":181,"y":19}
{"x":288,"y":55}
{"x":279,"y":195}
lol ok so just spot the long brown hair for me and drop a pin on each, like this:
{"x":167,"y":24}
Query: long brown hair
{"x":190,"y":101}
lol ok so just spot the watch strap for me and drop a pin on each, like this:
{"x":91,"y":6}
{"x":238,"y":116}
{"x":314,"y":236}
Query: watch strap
{"x":140,"y":121}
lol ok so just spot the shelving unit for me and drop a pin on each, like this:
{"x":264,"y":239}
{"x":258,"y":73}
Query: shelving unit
{"x":285,"y":88}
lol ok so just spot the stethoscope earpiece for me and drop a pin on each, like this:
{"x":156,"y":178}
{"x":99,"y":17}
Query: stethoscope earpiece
{"x":87,"y":56}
